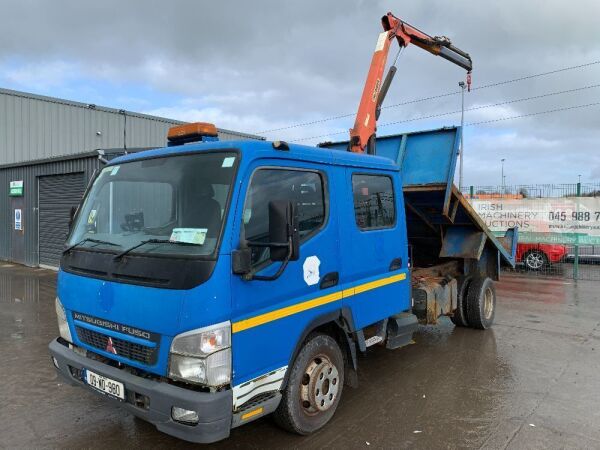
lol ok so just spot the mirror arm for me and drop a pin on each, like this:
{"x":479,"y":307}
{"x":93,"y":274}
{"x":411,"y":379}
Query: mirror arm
{"x":279,"y":272}
{"x":267,"y":244}
{"x":272,"y":277}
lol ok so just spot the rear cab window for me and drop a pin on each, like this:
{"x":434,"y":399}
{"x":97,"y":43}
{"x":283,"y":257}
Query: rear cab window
{"x":374,"y":201}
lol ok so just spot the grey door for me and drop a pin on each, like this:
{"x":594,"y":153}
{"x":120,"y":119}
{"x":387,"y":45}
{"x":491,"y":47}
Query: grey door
{"x":57,"y":194}
{"x":17,"y":248}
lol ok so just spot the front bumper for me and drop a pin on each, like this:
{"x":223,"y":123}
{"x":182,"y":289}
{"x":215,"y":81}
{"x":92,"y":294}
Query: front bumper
{"x":152,"y":400}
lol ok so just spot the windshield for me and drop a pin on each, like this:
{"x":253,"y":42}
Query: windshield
{"x":169,"y":200}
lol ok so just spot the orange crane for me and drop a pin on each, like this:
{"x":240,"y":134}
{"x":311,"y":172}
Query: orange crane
{"x":362,"y":136}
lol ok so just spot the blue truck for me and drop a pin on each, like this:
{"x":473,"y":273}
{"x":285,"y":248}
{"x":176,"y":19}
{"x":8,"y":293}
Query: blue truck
{"x":207,"y":284}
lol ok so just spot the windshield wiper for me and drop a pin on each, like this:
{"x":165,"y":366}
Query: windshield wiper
{"x":95,"y":241}
{"x":149,"y":241}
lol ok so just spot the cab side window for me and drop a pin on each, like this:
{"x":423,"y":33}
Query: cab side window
{"x":304,"y":188}
{"x":374,"y":202}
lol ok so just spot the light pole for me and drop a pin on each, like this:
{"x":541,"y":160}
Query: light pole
{"x":462,"y":86}
{"x":503,"y":187}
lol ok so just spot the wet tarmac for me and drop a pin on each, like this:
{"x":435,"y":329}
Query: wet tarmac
{"x":533,"y":381}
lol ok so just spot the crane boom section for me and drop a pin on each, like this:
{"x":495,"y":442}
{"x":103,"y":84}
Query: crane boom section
{"x":362,"y":135}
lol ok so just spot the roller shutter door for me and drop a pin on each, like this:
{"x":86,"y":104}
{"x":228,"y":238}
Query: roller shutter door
{"x":57,"y":193}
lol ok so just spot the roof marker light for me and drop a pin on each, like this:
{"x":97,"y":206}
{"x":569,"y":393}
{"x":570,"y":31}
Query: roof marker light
{"x":281,"y":145}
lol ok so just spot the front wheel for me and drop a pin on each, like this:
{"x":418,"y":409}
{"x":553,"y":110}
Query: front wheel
{"x":314,"y":387}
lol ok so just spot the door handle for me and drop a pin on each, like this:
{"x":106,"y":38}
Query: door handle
{"x":396,"y":264}
{"x":330,"y":280}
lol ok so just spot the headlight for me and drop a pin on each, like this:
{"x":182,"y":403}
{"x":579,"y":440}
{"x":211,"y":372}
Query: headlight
{"x":202,"y":356}
{"x":204,"y":341}
{"x":63,"y":325}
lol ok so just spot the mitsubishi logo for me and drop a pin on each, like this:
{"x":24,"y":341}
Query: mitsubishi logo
{"x":109,"y":347}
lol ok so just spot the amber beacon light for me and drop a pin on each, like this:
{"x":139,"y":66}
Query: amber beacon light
{"x":192,"y":132}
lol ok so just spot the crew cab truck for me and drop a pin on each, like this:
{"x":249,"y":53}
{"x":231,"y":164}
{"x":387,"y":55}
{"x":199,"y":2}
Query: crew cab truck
{"x":208,"y":284}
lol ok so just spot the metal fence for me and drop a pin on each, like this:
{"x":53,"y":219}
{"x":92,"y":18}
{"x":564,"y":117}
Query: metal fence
{"x":559,"y":225}
{"x":534,"y":190}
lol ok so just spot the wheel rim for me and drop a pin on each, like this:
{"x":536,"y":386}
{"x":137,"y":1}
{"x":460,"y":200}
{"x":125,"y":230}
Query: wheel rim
{"x":535,"y":260}
{"x":320,"y":385}
{"x":488,"y":303}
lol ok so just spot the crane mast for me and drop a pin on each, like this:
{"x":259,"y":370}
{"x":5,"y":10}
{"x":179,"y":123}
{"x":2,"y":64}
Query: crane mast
{"x":362,"y":135}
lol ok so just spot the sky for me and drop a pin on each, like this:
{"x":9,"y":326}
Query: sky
{"x":265,"y":65}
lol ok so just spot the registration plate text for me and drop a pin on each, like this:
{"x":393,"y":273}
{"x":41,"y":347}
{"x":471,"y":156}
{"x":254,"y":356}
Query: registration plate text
{"x":105,"y":385}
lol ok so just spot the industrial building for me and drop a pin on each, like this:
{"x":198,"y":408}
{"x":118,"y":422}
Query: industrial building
{"x":49,"y":150}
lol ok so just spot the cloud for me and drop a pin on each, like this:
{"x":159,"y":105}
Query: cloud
{"x":210,"y":114}
{"x":529,"y":158}
{"x":256,"y":66}
{"x":39,"y":76}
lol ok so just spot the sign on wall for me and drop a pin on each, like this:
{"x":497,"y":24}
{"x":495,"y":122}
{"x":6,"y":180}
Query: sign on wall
{"x":565,"y":220}
{"x":16,"y":188}
{"x":18,"y":220}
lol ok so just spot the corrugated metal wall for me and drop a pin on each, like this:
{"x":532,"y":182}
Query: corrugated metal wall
{"x":228,"y":135}
{"x":35,"y":127}
{"x":10,"y":239}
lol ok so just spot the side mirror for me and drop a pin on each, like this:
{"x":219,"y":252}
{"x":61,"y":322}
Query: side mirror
{"x":283,"y":229}
{"x":284,"y":242}
{"x":72,"y":213}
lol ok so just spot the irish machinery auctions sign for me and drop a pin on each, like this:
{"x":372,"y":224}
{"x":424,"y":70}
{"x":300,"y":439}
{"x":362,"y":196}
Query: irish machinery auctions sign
{"x":564,"y":220}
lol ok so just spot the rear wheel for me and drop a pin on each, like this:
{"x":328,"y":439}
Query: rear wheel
{"x":481,"y":303}
{"x":459,"y":318}
{"x":536,"y":260}
{"x":314,"y":387}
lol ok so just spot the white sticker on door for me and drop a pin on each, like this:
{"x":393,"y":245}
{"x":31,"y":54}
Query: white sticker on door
{"x":311,"y":270}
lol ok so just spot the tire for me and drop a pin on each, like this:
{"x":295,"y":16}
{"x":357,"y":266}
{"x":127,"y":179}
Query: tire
{"x":536,"y":260}
{"x":314,"y":387}
{"x":481,"y":303}
{"x":459,"y":318}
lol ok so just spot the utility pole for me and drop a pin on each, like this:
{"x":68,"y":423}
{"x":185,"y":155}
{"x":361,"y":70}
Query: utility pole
{"x":576,"y":249}
{"x":503,"y":187}
{"x":462,"y":86}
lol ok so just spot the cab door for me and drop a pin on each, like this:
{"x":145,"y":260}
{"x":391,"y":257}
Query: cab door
{"x":269,"y":317}
{"x":373,"y":246}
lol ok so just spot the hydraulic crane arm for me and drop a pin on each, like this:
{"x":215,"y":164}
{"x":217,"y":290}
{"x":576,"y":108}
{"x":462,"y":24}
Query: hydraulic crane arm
{"x":362,"y":136}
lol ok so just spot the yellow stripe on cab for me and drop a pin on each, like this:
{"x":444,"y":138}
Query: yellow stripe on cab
{"x":277,"y":314}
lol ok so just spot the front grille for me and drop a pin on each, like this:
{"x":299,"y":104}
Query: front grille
{"x":125,"y":349}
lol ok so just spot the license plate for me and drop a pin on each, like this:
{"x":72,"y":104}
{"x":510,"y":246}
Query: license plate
{"x":105,"y":385}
